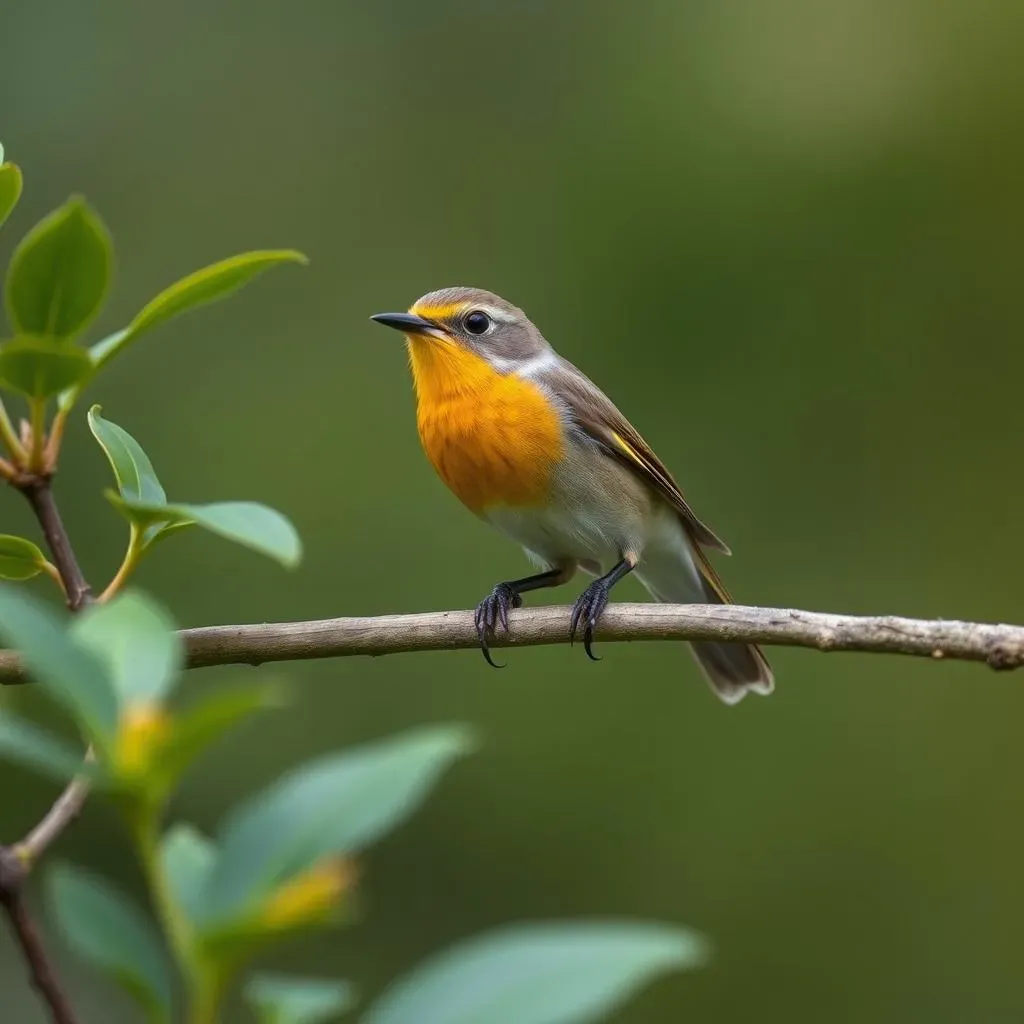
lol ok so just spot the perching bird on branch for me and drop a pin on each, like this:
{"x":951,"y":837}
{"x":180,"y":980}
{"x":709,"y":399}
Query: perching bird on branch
{"x":532,"y":446}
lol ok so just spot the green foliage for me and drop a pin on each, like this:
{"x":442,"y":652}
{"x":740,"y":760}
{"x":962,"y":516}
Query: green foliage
{"x":335,"y":806}
{"x":10,"y":188}
{"x":20,"y":559}
{"x":143,"y":501}
{"x":200,"y":726}
{"x":137,"y":642}
{"x":248,"y":523}
{"x":69,"y":673}
{"x":113,"y":668}
{"x":186,"y":859}
{"x":282,"y":862}
{"x":537,"y":974}
{"x":107,"y":929}
{"x":39,"y":366}
{"x":282,"y":999}
{"x":200,"y":288}
{"x":27,"y":745}
{"x":59,"y":273}
{"x":279,"y":865}
{"x":136,"y":479}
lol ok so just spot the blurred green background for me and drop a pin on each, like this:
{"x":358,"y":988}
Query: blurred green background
{"x":786,"y":238}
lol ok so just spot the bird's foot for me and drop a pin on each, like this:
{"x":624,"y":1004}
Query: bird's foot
{"x":492,"y":612}
{"x":586,"y":612}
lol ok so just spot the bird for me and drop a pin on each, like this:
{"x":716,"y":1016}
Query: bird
{"x":532,"y":446}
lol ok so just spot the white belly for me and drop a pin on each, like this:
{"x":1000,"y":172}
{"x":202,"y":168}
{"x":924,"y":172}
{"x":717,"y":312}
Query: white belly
{"x":554,"y":535}
{"x":599,"y":512}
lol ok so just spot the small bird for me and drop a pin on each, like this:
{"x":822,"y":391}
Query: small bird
{"x":532,"y":446}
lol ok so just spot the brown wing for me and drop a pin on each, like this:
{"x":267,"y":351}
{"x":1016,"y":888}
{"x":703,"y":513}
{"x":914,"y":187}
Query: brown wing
{"x":594,"y":414}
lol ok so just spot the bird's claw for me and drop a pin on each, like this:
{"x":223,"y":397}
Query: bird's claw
{"x":491,"y":613}
{"x":587,"y":610}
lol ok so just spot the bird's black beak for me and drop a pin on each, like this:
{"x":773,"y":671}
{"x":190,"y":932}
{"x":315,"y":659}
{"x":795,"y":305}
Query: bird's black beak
{"x":407,"y":323}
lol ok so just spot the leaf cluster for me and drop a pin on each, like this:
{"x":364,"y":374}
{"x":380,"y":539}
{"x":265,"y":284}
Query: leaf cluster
{"x":284,"y":861}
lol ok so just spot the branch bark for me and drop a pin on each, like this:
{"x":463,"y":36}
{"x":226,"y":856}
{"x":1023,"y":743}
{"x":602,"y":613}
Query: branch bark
{"x":16,"y":862}
{"x":66,"y":808}
{"x":13,"y":875}
{"x":999,"y":646}
{"x":39,"y":492}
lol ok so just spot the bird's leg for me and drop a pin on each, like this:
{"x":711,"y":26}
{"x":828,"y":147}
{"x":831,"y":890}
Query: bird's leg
{"x":591,"y":603}
{"x":493,"y":610}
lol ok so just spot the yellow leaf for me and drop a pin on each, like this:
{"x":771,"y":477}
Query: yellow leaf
{"x":309,"y":898}
{"x":141,"y":733}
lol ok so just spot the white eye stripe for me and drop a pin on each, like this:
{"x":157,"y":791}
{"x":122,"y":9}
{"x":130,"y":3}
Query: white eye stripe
{"x":538,"y":364}
{"x":497,"y":315}
{"x":525,"y":367}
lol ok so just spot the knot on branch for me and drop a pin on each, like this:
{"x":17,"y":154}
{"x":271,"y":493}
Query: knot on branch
{"x":1002,"y":657}
{"x":13,"y":874}
{"x":25,"y":480}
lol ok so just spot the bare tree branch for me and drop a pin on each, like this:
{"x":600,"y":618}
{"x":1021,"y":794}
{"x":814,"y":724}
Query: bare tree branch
{"x":39,"y":492}
{"x":17,"y":861}
{"x":64,"y":811}
{"x":999,"y":646}
{"x":13,"y":874}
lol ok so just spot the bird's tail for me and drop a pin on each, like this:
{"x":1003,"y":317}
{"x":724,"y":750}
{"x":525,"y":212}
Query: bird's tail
{"x":732,"y":669}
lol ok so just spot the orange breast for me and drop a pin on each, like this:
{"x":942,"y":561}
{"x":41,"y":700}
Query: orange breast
{"x":493,"y":438}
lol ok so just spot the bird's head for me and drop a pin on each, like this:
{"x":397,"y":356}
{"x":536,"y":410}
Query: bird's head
{"x":473,"y":320}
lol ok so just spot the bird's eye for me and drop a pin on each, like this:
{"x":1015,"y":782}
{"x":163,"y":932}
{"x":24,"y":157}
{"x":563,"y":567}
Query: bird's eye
{"x":477,"y":322}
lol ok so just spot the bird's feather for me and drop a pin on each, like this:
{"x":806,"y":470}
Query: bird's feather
{"x":595,"y":415}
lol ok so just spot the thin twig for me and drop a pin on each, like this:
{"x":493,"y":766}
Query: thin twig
{"x":65,"y":810}
{"x":128,"y":565}
{"x":53,"y":443}
{"x":54,"y":573}
{"x":9,"y":437}
{"x":37,"y":421}
{"x":17,"y":861}
{"x":13,"y":874}
{"x":999,"y":646}
{"x":39,"y":492}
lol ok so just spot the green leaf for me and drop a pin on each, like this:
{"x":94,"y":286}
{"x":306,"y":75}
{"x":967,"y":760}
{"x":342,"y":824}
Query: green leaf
{"x":27,"y":745}
{"x":66,"y":399}
{"x":67,"y":671}
{"x":10,"y":188}
{"x":201,"y":726}
{"x":216,"y":281}
{"x":20,"y":559}
{"x":152,"y":518}
{"x":335,"y":805}
{"x":107,"y":347}
{"x":548,"y":973}
{"x":160,"y":531}
{"x":137,"y":641}
{"x":136,"y":479}
{"x":38,"y":366}
{"x":142,"y":500}
{"x":248,"y":523}
{"x":187,"y":858}
{"x":284,"y":999}
{"x":104,"y":927}
{"x":59,"y":273}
